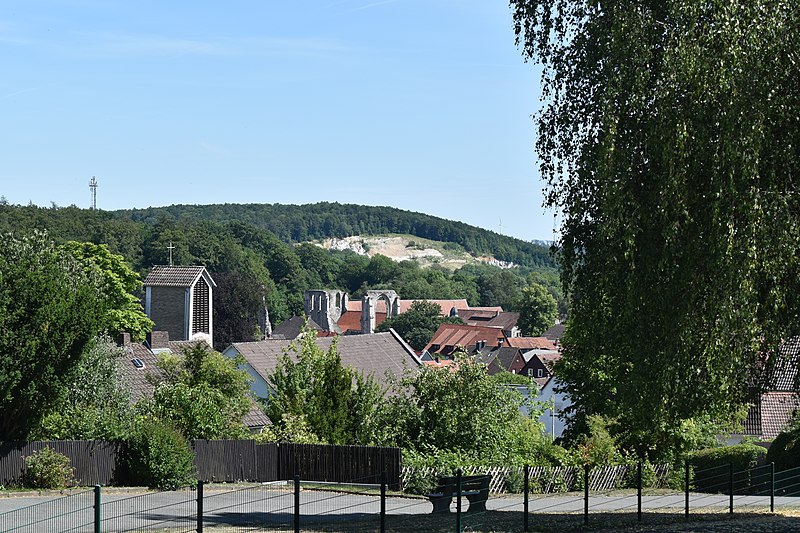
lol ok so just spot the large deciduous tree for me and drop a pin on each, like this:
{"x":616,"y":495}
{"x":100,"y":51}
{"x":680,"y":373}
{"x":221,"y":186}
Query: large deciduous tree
{"x":50,"y":310}
{"x":119,"y":284}
{"x":669,"y":140}
{"x":538,"y":310}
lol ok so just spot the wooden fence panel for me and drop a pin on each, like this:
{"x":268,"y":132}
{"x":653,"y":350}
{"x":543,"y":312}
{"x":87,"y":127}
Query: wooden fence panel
{"x":226,"y":460}
{"x":94,"y":462}
{"x":268,"y":462}
{"x":353,"y":464}
{"x":98,"y":462}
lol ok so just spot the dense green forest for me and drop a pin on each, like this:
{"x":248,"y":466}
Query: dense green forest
{"x":251,"y":264}
{"x":299,"y":223}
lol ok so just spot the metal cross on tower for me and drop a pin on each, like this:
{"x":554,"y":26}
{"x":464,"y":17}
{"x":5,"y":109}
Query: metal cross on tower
{"x":93,"y":187}
{"x":170,"y":248}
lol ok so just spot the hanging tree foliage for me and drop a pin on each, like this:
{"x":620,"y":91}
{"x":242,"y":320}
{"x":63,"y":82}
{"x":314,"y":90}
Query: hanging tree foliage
{"x":669,"y":142}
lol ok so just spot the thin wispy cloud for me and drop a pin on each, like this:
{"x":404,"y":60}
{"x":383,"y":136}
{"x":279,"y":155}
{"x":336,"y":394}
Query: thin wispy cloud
{"x":133,"y":44}
{"x":18,"y":92}
{"x":373,"y":4}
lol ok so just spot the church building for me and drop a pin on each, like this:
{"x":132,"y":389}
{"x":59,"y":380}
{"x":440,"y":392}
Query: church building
{"x":179,"y":299}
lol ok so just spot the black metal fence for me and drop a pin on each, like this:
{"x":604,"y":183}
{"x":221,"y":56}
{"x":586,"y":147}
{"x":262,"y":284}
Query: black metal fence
{"x":102,"y":462}
{"x":359,"y":506}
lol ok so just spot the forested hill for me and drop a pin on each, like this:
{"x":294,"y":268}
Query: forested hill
{"x":299,"y":223}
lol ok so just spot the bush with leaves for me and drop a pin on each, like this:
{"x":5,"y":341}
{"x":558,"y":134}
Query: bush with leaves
{"x":201,"y":393}
{"x":315,"y":395}
{"x":96,"y":405}
{"x":159,"y":456}
{"x":461,"y":409}
{"x":710,"y":464}
{"x":785,"y":449}
{"x":47,"y":469}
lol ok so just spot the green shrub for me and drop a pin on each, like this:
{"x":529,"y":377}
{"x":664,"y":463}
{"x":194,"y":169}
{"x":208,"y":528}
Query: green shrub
{"x":159,"y":456}
{"x":47,"y":469}
{"x":711,"y":466}
{"x":515,"y":480}
{"x":785,"y":450}
{"x":423,"y":469}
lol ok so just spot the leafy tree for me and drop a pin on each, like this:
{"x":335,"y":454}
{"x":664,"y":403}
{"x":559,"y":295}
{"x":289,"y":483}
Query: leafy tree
{"x":417,"y":325}
{"x":239,"y":302}
{"x":501,"y":287}
{"x":119,"y":283}
{"x":314,"y":395}
{"x":668,"y":140}
{"x":50,"y":310}
{"x":538,"y":310}
{"x":201,"y":393}
{"x":462,"y":410}
{"x":96,"y":403}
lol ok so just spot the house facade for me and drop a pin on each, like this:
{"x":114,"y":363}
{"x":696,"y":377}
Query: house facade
{"x":373,"y":354}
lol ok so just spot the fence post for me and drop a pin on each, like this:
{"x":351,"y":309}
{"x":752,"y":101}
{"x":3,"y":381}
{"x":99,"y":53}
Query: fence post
{"x":383,"y":502}
{"x":639,"y":491}
{"x":296,"y":504}
{"x":525,"y":489}
{"x":730,"y":483}
{"x":772,"y":488}
{"x":97,"y":503}
{"x":586,"y":494}
{"x":458,"y":501}
{"x":686,"y":485}
{"x":199,"y":506}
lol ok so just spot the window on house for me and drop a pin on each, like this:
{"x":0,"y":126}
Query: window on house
{"x":530,"y":372}
{"x":539,"y":373}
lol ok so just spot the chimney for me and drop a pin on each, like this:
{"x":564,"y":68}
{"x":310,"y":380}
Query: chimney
{"x":124,"y":339}
{"x":158,"y":339}
{"x":499,"y":342}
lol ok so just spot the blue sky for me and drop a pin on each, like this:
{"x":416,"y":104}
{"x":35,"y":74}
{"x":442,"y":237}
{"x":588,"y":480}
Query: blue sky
{"x":419,"y":104}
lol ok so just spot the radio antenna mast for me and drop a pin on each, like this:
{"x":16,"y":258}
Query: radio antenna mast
{"x":93,"y":187}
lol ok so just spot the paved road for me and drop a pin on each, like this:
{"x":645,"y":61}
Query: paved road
{"x":269,"y":504}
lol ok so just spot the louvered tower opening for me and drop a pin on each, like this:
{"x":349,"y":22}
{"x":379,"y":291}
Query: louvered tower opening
{"x":200,"y":308}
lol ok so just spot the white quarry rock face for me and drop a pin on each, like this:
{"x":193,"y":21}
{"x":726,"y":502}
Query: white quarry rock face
{"x":403,"y":249}
{"x":395,"y":248}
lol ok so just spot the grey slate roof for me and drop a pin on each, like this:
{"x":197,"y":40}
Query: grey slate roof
{"x":174,"y":276}
{"x":291,"y":328}
{"x":372,"y":354}
{"x":555,"y":332}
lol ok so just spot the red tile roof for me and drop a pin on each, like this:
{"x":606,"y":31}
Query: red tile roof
{"x":770,"y":414}
{"x":446,"y":305}
{"x":451,"y":336}
{"x":532,"y":343}
{"x":351,"y":321}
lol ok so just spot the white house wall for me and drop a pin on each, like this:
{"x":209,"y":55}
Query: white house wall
{"x":553,"y":419}
{"x":259,"y":386}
